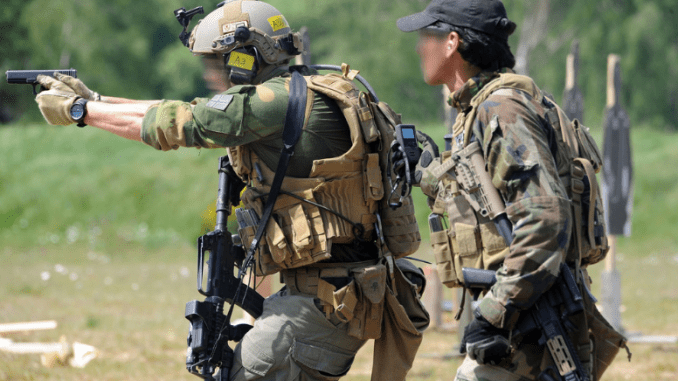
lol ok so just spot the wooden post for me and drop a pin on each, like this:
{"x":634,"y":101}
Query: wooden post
{"x":27,"y":326}
{"x":433,"y":296}
{"x":616,"y":160}
{"x":613,"y":80}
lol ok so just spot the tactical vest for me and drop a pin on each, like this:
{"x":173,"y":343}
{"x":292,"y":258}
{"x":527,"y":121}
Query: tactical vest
{"x":343,"y":196}
{"x":472,"y":239}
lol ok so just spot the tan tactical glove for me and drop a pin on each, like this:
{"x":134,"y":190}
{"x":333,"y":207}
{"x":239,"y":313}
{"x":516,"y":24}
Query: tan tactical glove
{"x":79,"y":87}
{"x":55,"y":102}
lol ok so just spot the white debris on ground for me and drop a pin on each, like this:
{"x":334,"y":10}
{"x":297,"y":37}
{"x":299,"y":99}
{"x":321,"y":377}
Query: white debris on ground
{"x":63,"y":353}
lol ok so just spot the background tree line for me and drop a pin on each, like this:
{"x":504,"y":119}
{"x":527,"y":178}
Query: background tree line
{"x":131,"y":49}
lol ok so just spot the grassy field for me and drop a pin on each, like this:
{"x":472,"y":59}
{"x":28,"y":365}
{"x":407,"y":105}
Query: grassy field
{"x":98,"y":234}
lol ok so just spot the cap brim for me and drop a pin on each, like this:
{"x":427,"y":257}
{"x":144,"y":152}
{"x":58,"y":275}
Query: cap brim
{"x":415,"y":22}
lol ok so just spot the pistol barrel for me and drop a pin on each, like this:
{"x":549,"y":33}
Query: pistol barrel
{"x":22,"y":77}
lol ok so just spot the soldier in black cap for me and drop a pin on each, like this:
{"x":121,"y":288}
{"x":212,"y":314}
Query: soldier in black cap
{"x":463,"y":44}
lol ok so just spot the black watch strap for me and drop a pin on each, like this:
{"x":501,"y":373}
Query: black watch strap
{"x":81,"y":121}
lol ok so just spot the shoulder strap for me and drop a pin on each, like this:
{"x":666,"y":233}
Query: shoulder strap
{"x":294,"y":121}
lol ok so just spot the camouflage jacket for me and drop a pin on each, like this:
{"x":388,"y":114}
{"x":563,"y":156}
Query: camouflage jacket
{"x":515,"y":140}
{"x":251,"y":115}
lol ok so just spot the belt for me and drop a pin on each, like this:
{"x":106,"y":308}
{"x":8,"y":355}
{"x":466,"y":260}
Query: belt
{"x":304,"y":280}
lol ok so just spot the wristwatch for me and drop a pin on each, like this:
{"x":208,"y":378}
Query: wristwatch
{"x":78,"y":111}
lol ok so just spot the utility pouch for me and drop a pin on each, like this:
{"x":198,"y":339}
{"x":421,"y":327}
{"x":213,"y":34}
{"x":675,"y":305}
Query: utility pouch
{"x":590,"y":232}
{"x":368,"y":314}
{"x":280,"y":250}
{"x":442,"y":250}
{"x":302,"y":234}
{"x":247,"y":224}
{"x":366,"y":117}
{"x":373,"y":186}
{"x":343,"y":301}
{"x":302,"y":227}
{"x":495,"y":249}
{"x":467,"y":247}
{"x":587,"y":145}
{"x":399,"y":226}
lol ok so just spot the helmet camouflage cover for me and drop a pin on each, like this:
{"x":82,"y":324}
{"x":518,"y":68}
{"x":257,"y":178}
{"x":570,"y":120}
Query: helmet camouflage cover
{"x":244,"y":23}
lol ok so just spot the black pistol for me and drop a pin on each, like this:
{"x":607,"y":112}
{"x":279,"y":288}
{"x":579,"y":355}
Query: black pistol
{"x":30,"y":77}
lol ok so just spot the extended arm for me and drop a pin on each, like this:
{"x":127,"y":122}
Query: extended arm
{"x":123,"y":118}
{"x":166,"y":124}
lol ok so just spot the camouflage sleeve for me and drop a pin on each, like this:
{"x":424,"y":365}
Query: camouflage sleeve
{"x":239,"y":116}
{"x":522,"y":167}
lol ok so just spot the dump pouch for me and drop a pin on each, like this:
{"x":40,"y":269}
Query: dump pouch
{"x":405,"y":320}
{"x":606,"y":341}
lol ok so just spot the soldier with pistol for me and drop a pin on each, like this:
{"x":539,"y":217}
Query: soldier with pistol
{"x":320,"y":218}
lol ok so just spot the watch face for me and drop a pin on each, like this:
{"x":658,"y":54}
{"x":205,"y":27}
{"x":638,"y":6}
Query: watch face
{"x":77,"y":111}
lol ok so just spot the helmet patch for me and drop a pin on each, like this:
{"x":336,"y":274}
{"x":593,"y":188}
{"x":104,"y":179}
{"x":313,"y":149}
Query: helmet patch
{"x":277,"y":22}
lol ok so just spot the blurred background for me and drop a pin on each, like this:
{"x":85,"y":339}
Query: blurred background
{"x":130,"y":48}
{"x":98,"y":233}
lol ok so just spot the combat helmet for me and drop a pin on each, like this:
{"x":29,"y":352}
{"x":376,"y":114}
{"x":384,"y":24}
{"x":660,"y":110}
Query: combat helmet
{"x":249,"y":34}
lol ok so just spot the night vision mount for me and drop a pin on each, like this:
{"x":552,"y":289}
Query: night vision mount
{"x":184,"y":17}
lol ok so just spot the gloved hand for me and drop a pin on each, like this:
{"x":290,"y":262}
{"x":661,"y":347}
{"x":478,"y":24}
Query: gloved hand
{"x":55,"y":102}
{"x":427,"y":155}
{"x":484,"y":342}
{"x":79,"y":87}
{"x":429,"y":159}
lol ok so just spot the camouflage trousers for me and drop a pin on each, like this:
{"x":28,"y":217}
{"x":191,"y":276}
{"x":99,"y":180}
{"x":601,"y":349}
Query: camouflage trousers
{"x":526,"y":365}
{"x":293,"y":340}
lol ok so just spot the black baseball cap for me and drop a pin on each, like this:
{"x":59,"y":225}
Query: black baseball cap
{"x":488,"y":16}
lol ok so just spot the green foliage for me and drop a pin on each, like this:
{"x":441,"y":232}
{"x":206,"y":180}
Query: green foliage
{"x":364,"y":35}
{"x":644,"y":34}
{"x":122,"y":48}
{"x":130,"y":49}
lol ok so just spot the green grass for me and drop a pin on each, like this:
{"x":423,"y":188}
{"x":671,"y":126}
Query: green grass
{"x":60,"y":186}
{"x":65,"y":185}
{"x":121,"y":220}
